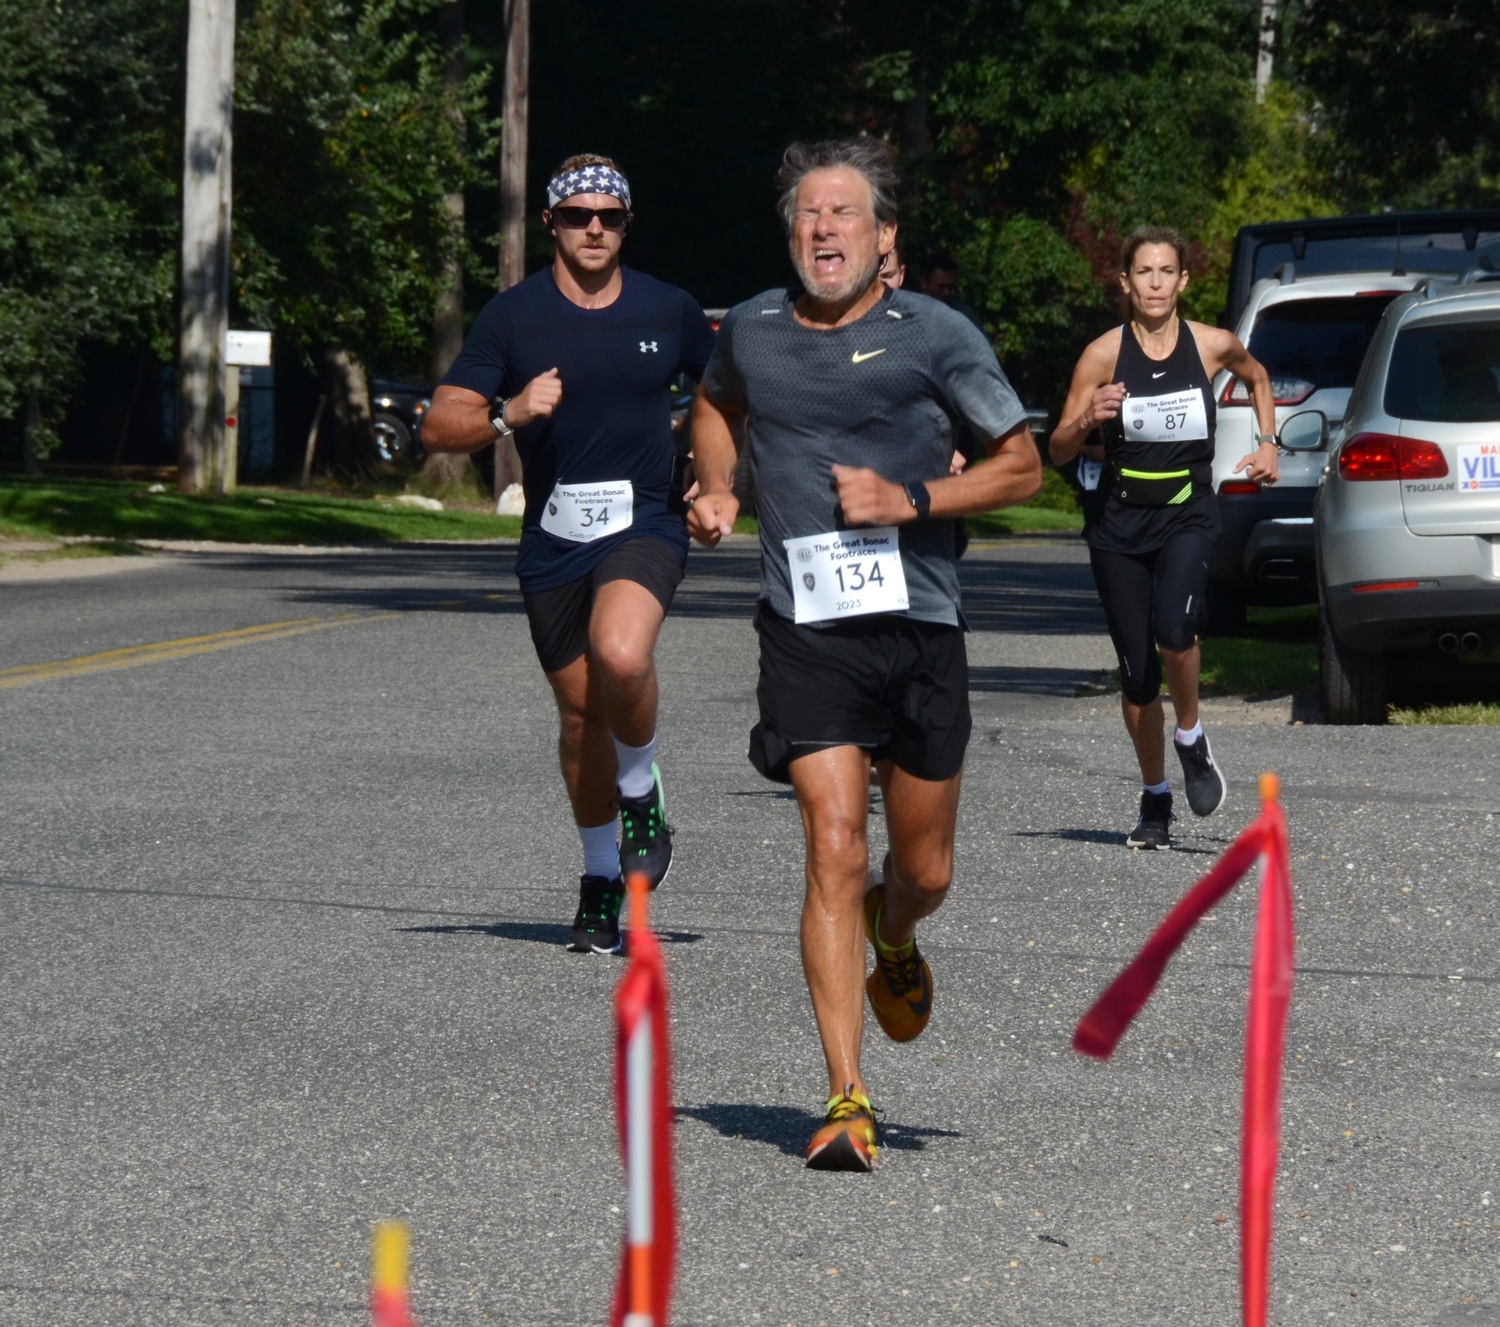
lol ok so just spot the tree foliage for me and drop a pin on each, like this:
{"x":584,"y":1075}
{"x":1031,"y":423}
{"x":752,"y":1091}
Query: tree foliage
{"x":88,"y":143}
{"x":347,"y":142}
{"x":1411,"y":96}
{"x":1032,"y":134}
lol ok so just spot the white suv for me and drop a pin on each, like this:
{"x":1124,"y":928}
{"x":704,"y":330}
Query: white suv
{"x":1408,"y":516}
{"x":1311,"y":334}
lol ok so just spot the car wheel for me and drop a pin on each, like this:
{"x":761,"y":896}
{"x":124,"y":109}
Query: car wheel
{"x":1353,"y":681}
{"x":393,"y":444}
{"x":1223,"y":610}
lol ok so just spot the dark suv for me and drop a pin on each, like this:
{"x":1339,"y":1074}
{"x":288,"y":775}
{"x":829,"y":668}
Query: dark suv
{"x":398,"y":410}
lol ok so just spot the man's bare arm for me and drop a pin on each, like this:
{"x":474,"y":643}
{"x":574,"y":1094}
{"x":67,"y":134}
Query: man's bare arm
{"x":1012,"y":473}
{"x":716,"y":434}
{"x":459,"y":420}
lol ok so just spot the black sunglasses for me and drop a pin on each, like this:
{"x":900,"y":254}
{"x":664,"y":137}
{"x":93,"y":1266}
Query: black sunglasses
{"x":579,"y":218}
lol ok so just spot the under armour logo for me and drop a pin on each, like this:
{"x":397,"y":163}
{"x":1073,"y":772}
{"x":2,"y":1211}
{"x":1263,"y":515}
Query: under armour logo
{"x":648,"y":345}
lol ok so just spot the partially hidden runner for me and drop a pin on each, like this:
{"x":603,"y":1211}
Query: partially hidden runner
{"x":1147,"y":389}
{"x":576,"y":362}
{"x":848,"y":394}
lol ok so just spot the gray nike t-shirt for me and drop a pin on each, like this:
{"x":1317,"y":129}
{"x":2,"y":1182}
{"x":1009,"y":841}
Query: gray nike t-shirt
{"x":885,"y":392}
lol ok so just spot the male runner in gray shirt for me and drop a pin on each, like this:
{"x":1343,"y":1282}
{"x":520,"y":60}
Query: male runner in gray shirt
{"x":849,"y":394}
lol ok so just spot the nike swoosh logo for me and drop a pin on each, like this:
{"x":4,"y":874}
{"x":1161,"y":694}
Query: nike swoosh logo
{"x":1162,"y":374}
{"x":859,"y":357}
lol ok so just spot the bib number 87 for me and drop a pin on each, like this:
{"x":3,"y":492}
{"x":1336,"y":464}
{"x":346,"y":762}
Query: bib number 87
{"x":857,"y":578}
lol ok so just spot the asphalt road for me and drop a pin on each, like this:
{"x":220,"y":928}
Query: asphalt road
{"x":281,"y":924}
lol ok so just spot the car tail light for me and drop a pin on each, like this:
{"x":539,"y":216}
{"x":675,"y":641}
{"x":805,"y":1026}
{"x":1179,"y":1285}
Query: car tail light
{"x":1422,"y":460}
{"x":1383,"y":456}
{"x":1380,"y":587}
{"x":1287,"y":391}
{"x":1239,"y":488}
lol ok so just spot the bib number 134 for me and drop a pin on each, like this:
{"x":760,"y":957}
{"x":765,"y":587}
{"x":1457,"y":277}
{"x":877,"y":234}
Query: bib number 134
{"x":846,"y":573}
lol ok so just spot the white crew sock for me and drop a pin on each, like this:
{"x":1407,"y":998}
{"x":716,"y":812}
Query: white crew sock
{"x":635,"y":778}
{"x":1157,"y":789}
{"x":601,"y":853}
{"x":1191,"y":736}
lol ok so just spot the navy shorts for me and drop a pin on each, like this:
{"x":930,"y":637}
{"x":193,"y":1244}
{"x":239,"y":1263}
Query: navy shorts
{"x":893,"y":686}
{"x":559,"y":617}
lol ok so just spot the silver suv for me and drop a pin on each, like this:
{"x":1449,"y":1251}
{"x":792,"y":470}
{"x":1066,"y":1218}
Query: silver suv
{"x":1311,"y":334}
{"x":1407,"y":522}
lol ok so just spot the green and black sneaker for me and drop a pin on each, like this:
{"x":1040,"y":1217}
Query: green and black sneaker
{"x":645,"y":836}
{"x":596,"y":928}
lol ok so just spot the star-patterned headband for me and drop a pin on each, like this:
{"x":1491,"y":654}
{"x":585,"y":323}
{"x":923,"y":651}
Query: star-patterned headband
{"x":588,"y":180}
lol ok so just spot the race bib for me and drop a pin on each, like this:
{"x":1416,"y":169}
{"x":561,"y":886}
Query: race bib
{"x":1090,"y":472}
{"x":1180,"y":417}
{"x":583,"y":513}
{"x":847,"y":573}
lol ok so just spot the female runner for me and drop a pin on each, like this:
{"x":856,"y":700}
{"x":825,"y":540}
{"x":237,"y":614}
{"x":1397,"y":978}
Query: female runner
{"x":1146,"y":388}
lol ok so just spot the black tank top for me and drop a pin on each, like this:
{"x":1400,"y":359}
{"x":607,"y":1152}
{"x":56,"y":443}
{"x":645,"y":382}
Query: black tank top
{"x":1165,"y":425}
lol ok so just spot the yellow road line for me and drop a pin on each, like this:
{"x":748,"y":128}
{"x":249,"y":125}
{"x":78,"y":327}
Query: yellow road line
{"x":27,"y":675}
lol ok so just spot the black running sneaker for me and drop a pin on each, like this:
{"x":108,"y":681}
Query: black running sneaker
{"x":645,"y":836}
{"x":1153,"y":830}
{"x":596,"y":928}
{"x":1205,"y":785}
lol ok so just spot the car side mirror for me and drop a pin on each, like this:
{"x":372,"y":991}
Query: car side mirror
{"x":1306,"y":431}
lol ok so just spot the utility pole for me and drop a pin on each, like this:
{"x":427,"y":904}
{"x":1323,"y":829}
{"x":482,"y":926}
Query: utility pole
{"x":206,"y":194}
{"x":1265,"y":48}
{"x":513,"y":143}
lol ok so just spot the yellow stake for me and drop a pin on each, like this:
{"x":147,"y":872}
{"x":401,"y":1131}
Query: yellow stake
{"x":389,"y":1261}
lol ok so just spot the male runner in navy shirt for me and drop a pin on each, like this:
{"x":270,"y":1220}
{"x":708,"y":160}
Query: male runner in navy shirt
{"x":576,"y":361}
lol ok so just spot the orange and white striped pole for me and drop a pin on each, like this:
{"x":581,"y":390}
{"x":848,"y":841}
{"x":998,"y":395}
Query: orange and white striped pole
{"x":390,"y":1301}
{"x":639,"y":1052}
{"x":643,"y":1093}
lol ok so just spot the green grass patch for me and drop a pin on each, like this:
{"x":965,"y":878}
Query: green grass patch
{"x":1022,"y":520}
{"x":1277,"y":655}
{"x":1485,"y":715}
{"x":105,"y":509}
{"x":92,"y":548}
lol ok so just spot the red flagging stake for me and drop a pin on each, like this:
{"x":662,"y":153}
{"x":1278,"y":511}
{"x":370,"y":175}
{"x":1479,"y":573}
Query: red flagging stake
{"x":643,"y":1095}
{"x":1099,"y":1031}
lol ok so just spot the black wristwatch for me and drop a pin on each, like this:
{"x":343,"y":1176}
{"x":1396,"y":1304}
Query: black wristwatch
{"x":497,"y":418}
{"x":919,"y":497}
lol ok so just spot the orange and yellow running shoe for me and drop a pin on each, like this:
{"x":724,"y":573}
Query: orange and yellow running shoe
{"x":847,"y":1140}
{"x":900,"y":987}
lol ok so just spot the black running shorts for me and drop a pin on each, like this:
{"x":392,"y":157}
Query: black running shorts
{"x":560,"y":617}
{"x":896,"y":687}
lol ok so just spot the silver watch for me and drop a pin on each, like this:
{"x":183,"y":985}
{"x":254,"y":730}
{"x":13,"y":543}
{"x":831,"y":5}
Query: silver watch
{"x":497,"y":418}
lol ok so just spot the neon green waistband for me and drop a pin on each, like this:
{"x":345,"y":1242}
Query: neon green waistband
{"x":1154,"y":474}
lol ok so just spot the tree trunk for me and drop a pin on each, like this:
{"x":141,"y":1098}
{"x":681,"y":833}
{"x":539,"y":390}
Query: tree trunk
{"x":445,"y":470}
{"x":348,"y":424}
{"x":448,"y":315}
{"x":30,"y":467}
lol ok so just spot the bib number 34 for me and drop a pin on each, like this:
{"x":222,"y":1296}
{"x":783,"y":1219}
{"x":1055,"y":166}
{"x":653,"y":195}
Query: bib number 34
{"x":581,"y":513}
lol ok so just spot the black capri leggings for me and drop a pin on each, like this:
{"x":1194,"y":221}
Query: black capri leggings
{"x":1152,"y":599}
